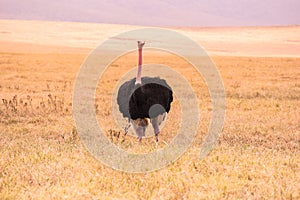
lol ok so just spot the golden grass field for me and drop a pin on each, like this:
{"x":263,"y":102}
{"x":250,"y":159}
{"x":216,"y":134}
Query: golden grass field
{"x":257,"y":156}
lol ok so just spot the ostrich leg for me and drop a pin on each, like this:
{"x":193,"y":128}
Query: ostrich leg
{"x":155,"y":125}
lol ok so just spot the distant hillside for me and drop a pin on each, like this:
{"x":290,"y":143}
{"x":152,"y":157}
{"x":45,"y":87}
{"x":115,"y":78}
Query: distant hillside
{"x":157,"y":12}
{"x":45,"y":36}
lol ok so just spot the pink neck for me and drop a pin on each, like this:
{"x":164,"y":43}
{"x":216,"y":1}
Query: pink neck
{"x":139,"y":72}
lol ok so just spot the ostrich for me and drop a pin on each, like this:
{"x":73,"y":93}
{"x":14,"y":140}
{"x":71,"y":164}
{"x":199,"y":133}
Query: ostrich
{"x":141,"y":99}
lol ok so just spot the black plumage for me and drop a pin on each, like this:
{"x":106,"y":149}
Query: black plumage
{"x":135,"y":100}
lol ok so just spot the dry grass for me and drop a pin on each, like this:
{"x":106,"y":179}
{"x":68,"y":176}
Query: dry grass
{"x":257,"y":157}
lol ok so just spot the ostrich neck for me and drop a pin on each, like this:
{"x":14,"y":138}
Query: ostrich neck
{"x":139,"y":72}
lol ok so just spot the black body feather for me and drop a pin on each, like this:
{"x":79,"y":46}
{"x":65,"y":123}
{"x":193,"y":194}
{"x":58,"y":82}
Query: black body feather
{"x":135,"y":101}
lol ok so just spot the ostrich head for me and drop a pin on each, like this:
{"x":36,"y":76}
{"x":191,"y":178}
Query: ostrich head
{"x":140,"y":44}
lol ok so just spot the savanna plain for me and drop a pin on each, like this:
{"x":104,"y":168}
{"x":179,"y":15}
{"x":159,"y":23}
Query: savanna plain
{"x":42,"y":157}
